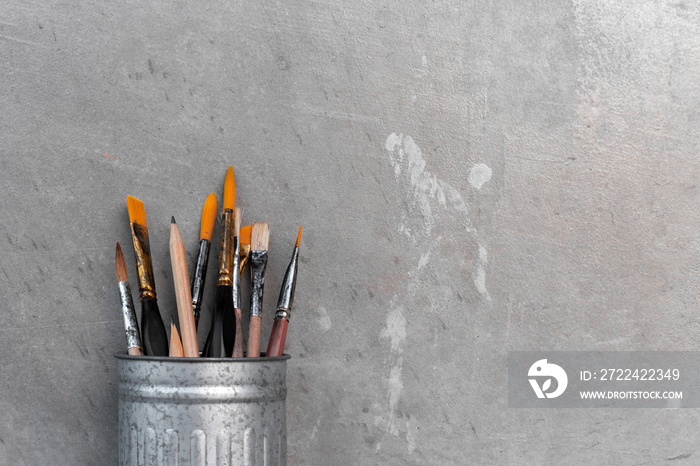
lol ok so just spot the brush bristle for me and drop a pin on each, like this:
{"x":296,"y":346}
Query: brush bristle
{"x":237,"y":222}
{"x":137,"y":213}
{"x":211,"y":207}
{"x":120,"y":264}
{"x":260,"y":236}
{"x":229,"y":189}
{"x":245,"y":234}
{"x":298,"y":237}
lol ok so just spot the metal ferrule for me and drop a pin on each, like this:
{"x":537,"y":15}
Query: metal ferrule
{"x":282,"y":314}
{"x":236,"y":282}
{"x":226,"y":250}
{"x":131,"y":326}
{"x":258,"y":264}
{"x":200,"y":273}
{"x":289,"y":283}
{"x":142,"y":254}
{"x":244,"y":254}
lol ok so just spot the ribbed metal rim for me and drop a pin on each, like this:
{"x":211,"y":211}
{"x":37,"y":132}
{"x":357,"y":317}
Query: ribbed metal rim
{"x":127,"y":356}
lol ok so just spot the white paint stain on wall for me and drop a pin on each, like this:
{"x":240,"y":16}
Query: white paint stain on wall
{"x":424,"y":187}
{"x":395,"y":389}
{"x":395,"y":329}
{"x":324,"y":320}
{"x":480,"y":274}
{"x":426,"y":194}
{"x":479,"y":174}
{"x":424,"y":259}
{"x":410,"y":435}
{"x":395,"y":332}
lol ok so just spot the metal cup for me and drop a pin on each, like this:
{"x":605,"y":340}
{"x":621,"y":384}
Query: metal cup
{"x":202,"y":411}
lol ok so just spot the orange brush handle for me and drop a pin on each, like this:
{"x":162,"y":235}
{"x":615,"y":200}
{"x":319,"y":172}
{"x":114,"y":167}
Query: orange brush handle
{"x":275,"y":347}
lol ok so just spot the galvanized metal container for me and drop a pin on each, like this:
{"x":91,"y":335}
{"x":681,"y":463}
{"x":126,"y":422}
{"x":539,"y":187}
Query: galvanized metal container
{"x":202,"y":411}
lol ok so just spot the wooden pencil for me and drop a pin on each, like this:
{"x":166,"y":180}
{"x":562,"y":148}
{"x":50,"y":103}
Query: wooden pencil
{"x":183,"y":295}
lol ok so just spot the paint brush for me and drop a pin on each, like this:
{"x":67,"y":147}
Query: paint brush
{"x":175,"y":342}
{"x":153,"y":336}
{"x":259,"y":239}
{"x":215,"y":346}
{"x":131,"y":326}
{"x":206,"y":230}
{"x":183,"y":297}
{"x":275,"y":347}
{"x":237,"y":270}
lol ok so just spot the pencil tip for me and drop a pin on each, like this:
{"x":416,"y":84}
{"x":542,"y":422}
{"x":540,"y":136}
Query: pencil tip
{"x":172,"y":219}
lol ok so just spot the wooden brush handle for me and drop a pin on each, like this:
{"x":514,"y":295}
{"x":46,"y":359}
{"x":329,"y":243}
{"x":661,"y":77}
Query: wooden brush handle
{"x":275,"y":347}
{"x":238,"y":342}
{"x":136,"y":351}
{"x":254,"y":337}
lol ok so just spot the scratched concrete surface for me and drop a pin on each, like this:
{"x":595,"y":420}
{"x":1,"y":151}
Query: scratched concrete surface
{"x":472,"y":177}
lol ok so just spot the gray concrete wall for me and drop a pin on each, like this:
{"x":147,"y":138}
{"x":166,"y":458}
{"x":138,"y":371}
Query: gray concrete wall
{"x":472,"y":178}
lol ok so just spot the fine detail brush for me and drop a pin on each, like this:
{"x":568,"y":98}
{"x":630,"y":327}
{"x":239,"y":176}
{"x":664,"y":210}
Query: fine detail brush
{"x":153,"y":335}
{"x":181,"y":280}
{"x":237,"y":270}
{"x":209,"y":211}
{"x":131,"y":326}
{"x":215,"y":346}
{"x":175,"y":342}
{"x":275,"y":347}
{"x":259,"y":239}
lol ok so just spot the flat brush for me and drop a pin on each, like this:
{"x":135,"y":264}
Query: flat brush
{"x":153,"y":336}
{"x":215,"y":346}
{"x":175,"y":342}
{"x":131,"y":326}
{"x":259,"y":239}
{"x":209,"y":211}
{"x":275,"y":347}
{"x":181,"y":280}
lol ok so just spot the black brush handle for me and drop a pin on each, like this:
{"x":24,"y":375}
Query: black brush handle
{"x":215,"y":346}
{"x":155,"y":340}
{"x":229,"y":328}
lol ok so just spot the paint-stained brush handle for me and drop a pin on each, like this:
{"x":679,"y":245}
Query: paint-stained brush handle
{"x":131,"y":326}
{"x":198,"y":278}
